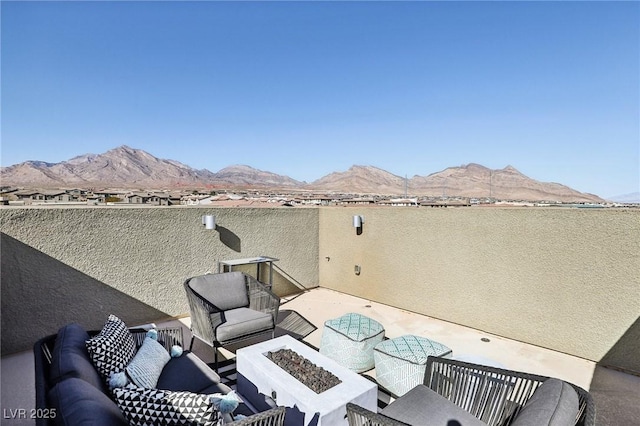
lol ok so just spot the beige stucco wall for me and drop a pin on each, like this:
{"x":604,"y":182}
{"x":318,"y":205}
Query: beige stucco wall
{"x":80,"y":264}
{"x":564,"y":279}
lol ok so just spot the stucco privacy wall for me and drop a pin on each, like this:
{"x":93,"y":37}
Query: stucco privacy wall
{"x":564,"y":279}
{"x":79,"y":264}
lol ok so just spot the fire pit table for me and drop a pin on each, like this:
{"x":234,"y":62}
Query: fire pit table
{"x":260,"y":379}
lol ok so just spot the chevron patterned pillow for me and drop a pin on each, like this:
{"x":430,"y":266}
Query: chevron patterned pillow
{"x":146,"y":407}
{"x":112,"y":349}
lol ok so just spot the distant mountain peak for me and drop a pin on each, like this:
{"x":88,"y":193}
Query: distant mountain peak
{"x":125,"y":166}
{"x":474,"y":166}
{"x":239,"y":167}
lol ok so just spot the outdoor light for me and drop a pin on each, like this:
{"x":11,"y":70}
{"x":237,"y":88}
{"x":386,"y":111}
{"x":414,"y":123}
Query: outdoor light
{"x":209,"y":221}
{"x":357,"y":223}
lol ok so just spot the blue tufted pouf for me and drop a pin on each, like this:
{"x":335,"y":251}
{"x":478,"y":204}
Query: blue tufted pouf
{"x":401,"y":362}
{"x":350,"y":339}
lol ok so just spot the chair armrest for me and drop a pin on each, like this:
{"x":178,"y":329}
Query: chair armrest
{"x":273,"y":417}
{"x":261,"y":298}
{"x":205,"y":317}
{"x":360,"y":416}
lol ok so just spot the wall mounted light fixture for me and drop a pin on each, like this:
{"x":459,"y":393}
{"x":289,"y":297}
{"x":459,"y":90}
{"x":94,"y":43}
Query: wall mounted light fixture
{"x":209,"y":221}
{"x":358,"y":221}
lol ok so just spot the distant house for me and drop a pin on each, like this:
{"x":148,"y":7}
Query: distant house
{"x":152,"y":198}
{"x":401,"y":202}
{"x":102,"y":195}
{"x":6,"y":190}
{"x":357,"y":201}
{"x":316,"y":200}
{"x":30,"y":196}
{"x":77,"y":194}
{"x":447,"y":202}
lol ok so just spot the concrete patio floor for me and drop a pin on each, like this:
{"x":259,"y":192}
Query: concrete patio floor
{"x":616,"y":394}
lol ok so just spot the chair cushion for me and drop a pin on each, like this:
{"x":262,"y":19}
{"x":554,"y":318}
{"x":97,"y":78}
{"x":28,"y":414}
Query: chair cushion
{"x":243,"y":322}
{"x":78,"y":403}
{"x":71,"y":359}
{"x":144,"y":407}
{"x":423,"y":407}
{"x":226,"y":291}
{"x":188,"y":373}
{"x":112,"y":349}
{"x":146,"y":366}
{"x":554,"y":403}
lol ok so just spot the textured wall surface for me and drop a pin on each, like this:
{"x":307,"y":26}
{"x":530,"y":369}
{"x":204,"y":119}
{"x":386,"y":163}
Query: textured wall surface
{"x":80,"y":264}
{"x":564,"y":279}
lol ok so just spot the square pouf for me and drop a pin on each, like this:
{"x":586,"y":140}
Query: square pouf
{"x":349,"y":340}
{"x":401,"y":362}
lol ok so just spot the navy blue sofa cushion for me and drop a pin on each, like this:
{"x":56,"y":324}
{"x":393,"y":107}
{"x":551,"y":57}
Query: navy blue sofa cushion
{"x":190,"y":373}
{"x":79,"y":403}
{"x":71,"y":359}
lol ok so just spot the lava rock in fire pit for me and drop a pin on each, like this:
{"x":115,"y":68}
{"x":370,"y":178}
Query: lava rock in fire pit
{"x":306,"y":372}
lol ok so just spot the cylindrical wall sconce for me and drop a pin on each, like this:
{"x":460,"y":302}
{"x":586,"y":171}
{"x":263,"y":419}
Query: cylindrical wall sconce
{"x":209,"y":221}
{"x":357,"y":223}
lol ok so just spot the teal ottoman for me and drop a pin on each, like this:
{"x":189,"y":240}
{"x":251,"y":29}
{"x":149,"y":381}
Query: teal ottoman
{"x":401,"y":362}
{"x":349,"y":340}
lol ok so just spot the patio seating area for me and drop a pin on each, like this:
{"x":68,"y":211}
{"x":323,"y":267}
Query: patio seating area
{"x":320,"y":305}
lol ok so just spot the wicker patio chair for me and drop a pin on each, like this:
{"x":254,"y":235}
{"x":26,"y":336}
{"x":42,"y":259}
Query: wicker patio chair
{"x":493,"y":395}
{"x":229,"y":307}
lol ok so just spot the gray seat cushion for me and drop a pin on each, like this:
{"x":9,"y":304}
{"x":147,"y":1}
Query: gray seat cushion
{"x":554,"y":403}
{"x":225,"y":291}
{"x":423,"y":407}
{"x":243,"y":322}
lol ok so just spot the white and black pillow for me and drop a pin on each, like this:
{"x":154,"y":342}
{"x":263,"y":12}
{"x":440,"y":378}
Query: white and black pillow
{"x":112,"y":349}
{"x":147,"y":407}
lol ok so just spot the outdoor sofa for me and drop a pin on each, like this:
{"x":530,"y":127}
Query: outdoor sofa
{"x":456,"y":393}
{"x":70,"y":390}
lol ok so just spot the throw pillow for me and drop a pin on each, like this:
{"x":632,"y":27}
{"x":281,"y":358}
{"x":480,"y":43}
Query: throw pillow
{"x":144,"y":407}
{"x":112,"y":349}
{"x":146,"y":366}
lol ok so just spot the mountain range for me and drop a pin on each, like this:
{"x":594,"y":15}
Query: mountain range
{"x":127,"y":167}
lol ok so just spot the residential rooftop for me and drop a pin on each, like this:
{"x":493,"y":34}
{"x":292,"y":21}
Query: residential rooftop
{"x":553,"y":290}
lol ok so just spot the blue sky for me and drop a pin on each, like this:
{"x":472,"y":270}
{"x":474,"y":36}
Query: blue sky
{"x":304,"y":89}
